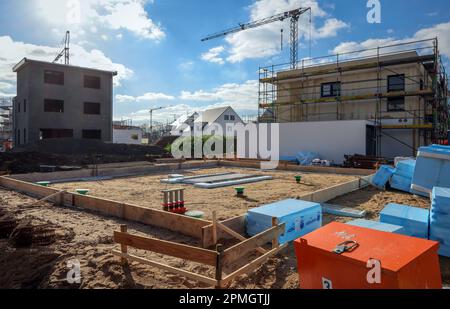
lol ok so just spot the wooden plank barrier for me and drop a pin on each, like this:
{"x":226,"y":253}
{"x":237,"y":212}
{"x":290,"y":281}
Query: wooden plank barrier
{"x":216,"y":258}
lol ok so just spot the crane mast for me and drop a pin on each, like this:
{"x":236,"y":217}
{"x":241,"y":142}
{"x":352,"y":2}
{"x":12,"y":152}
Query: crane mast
{"x":294,"y":16}
{"x":65,"y":52}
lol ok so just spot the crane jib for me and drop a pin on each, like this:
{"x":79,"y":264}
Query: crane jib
{"x":294,"y":15}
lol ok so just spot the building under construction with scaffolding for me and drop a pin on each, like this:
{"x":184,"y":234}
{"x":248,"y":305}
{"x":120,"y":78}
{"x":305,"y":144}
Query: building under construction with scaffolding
{"x":400,"y":90}
{"x":6,"y":105}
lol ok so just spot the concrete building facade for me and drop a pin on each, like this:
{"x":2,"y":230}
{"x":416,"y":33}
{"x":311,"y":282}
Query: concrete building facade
{"x":62,"y":101}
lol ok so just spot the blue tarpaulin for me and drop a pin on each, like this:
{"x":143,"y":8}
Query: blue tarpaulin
{"x":307,"y":157}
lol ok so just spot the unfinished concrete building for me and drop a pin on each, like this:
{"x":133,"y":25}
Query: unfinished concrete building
{"x":400,"y":90}
{"x":61,"y":101}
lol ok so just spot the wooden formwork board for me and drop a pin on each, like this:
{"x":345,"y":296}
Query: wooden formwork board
{"x":285,"y":166}
{"x":173,"y":222}
{"x":190,"y":253}
{"x":116,"y":171}
{"x":325,"y":195}
{"x":217,"y":258}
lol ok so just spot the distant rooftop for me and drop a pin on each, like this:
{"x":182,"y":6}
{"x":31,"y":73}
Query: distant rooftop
{"x":26,"y":61}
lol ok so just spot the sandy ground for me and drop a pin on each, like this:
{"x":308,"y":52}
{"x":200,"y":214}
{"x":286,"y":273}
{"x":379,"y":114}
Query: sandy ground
{"x":87,"y":237}
{"x":146,"y":191}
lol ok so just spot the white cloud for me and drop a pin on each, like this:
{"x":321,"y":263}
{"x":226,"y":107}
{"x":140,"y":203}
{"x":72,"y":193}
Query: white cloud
{"x":186,"y":66}
{"x":441,"y":31}
{"x":149,"y":96}
{"x":5,"y":86}
{"x":239,"y":96}
{"x":214,"y":55}
{"x":119,"y":36}
{"x":11,"y":52}
{"x":115,"y":15}
{"x":264,"y":41}
{"x":242,"y":97}
{"x":330,"y":29}
{"x":105,"y":37}
{"x":162,"y":116}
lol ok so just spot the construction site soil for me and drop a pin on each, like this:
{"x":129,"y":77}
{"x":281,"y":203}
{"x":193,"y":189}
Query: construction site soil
{"x":146,"y":190}
{"x":74,"y":153}
{"x":73,"y":234}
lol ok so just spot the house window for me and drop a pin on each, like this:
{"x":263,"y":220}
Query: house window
{"x":91,"y":108}
{"x":92,"y":134}
{"x":56,"y":133}
{"x":396,"y":83}
{"x":24,"y":136}
{"x":227,"y":117}
{"x":25,"y":106}
{"x":232,"y":118}
{"x":92,"y":82}
{"x":53,"y":106}
{"x":53,"y":77}
{"x":329,"y":90}
{"x":396,"y":104}
{"x":18,"y":136}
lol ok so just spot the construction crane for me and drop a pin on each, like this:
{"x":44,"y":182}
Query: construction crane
{"x":294,"y":15}
{"x":65,"y":52}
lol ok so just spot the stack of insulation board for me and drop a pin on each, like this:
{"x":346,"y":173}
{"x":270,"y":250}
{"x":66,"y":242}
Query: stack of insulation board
{"x":415,"y":221}
{"x":432,"y":169}
{"x":440,"y":219}
{"x":402,"y":177}
{"x":379,"y":226}
{"x":381,"y":178}
{"x":300,"y":217}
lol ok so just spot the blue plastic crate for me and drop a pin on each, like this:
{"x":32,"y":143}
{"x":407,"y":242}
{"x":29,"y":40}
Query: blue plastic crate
{"x":379,"y":226}
{"x":300,"y":217}
{"x":414,"y":220}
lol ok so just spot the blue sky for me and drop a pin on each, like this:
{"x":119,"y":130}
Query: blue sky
{"x":155,"y":45}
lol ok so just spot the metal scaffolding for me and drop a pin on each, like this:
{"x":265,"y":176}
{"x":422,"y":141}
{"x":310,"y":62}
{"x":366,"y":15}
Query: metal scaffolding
{"x":290,"y":103}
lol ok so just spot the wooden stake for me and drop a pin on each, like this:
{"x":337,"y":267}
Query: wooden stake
{"x":124,"y":248}
{"x":214,"y":227}
{"x":219,"y":249}
{"x":275,"y":243}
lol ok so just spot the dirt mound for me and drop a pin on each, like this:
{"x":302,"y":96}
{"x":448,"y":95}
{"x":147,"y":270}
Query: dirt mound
{"x":86,"y":146}
{"x":69,"y":152}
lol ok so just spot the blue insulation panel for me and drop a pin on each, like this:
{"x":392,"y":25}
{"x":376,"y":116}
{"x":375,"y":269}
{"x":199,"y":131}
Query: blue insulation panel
{"x":440,"y":219}
{"x":402,"y":177}
{"x":300,"y":217}
{"x":379,"y":226}
{"x":414,"y":220}
{"x":381,"y":178}
{"x":432,"y":169}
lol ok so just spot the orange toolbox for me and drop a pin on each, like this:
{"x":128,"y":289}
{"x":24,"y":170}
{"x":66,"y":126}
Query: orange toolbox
{"x":341,"y":256}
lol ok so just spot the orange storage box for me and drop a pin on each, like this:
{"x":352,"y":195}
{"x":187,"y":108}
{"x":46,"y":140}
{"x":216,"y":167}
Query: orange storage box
{"x":403,"y":262}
